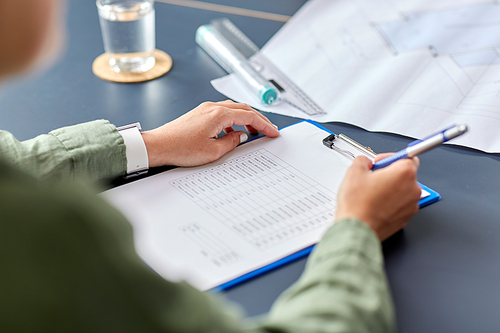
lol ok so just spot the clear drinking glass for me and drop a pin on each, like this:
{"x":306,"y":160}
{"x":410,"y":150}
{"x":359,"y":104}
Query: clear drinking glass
{"x":128,"y":32}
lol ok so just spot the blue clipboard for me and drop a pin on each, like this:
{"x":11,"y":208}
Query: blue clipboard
{"x":433,"y":197}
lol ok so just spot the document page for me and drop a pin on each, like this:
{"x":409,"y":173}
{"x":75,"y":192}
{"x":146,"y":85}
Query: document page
{"x":259,"y":203}
{"x":401,"y":66}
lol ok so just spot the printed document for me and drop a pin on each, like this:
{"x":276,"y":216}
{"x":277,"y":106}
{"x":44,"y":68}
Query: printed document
{"x":259,"y":203}
{"x":401,"y":66}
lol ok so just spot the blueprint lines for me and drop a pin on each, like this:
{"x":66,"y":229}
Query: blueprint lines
{"x":401,"y":66}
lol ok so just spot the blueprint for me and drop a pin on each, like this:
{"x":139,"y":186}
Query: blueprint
{"x":409,"y":67}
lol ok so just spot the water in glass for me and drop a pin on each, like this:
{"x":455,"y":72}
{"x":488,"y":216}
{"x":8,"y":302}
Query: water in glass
{"x":128,"y":31}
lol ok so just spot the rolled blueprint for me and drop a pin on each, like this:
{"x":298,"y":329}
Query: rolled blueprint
{"x":229,"y":58}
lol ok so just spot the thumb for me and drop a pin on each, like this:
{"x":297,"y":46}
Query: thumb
{"x":229,"y":141}
{"x":362,"y":163}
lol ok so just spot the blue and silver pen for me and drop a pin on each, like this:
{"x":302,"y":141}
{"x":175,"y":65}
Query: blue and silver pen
{"x":420,"y":146}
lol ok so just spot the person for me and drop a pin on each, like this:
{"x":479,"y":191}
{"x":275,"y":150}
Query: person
{"x":67,"y":258}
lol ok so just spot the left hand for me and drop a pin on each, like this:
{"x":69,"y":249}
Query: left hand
{"x":191,"y":139}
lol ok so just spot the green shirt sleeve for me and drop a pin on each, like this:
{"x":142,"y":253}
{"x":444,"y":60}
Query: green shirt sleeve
{"x":69,"y":265}
{"x":93,"y":151}
{"x":343,"y":288}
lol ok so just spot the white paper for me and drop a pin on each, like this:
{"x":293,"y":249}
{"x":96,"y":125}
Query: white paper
{"x":402,"y":66}
{"x":261,"y":202}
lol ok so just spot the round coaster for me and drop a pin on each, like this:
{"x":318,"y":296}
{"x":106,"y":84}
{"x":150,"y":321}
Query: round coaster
{"x":101,"y":69}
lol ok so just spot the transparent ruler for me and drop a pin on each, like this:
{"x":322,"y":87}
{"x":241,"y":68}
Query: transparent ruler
{"x":236,"y":53}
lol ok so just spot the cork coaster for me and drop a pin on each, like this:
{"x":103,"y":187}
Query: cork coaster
{"x":101,"y":69}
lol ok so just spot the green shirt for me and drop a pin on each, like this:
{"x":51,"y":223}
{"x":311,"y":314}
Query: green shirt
{"x":93,"y":150}
{"x":68,"y":262}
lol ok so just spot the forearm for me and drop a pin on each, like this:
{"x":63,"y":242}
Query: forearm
{"x":93,"y":150}
{"x":343,"y":288}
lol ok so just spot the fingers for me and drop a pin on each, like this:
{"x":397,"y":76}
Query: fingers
{"x":407,"y":163}
{"x":362,"y":163}
{"x":230,"y":141}
{"x":253,"y":120}
{"x":417,"y":161}
{"x":379,"y":157}
{"x":233,"y":105}
{"x":382,"y":156}
{"x":402,"y":173}
{"x":252,"y":130}
{"x":246,"y":108}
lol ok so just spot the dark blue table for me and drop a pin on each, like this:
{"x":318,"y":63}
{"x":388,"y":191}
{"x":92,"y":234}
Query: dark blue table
{"x":444,"y":268}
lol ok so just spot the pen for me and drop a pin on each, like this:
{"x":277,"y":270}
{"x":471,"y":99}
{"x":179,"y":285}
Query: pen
{"x":420,"y":146}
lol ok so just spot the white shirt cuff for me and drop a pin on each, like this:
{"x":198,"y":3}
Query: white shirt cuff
{"x":137,"y":155}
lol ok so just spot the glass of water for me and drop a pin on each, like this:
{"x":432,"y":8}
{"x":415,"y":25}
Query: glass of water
{"x":128,"y":32}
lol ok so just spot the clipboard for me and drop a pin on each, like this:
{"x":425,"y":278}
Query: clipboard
{"x":329,"y":142}
{"x":257,"y":208}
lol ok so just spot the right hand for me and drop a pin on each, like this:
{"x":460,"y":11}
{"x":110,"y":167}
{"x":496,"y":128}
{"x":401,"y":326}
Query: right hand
{"x":384,"y":199}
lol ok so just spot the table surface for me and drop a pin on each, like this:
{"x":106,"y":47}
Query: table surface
{"x":443,"y":269}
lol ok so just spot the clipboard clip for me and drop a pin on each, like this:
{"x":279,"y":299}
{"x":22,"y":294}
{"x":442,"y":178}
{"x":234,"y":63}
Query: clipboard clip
{"x":329,"y":142}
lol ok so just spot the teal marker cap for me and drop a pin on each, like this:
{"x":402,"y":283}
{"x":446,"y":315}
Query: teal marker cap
{"x":268,"y":95}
